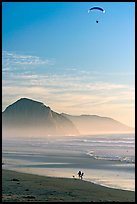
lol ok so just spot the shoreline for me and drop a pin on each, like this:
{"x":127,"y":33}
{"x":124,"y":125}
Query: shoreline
{"x":55,"y":175}
{"x":93,"y":170}
{"x":21,"y":187}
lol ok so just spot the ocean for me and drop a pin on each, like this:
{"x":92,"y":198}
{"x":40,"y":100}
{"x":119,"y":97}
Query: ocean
{"x":108,"y":160}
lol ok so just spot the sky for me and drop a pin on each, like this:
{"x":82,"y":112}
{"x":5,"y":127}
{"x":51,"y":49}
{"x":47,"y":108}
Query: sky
{"x":56,"y":53}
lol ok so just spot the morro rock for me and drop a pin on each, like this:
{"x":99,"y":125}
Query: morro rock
{"x":34,"y":117}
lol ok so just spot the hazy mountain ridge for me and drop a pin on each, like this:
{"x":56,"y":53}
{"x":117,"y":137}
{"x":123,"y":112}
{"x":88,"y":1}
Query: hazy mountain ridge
{"x":33,"y":117}
{"x":88,"y":124}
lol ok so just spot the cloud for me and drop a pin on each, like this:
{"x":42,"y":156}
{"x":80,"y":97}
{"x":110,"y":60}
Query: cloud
{"x":62,"y":83}
{"x":11,"y":60}
{"x":69,"y":94}
{"x":117,"y":102}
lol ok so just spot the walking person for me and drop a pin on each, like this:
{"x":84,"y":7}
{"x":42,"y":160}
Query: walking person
{"x":82,"y":175}
{"x":79,"y":174}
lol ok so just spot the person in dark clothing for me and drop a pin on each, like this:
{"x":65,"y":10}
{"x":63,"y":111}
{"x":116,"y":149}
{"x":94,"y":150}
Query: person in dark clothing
{"x":79,"y":174}
{"x":82,"y":175}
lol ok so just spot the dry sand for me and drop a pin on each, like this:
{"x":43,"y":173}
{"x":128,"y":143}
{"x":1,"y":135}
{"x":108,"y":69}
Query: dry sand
{"x":22,"y":187}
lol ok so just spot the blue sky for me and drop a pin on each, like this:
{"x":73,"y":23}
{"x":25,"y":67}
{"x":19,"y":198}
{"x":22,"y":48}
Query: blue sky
{"x":56,"y":53}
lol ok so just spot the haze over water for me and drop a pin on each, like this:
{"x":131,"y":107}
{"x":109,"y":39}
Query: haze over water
{"x":105,"y":159}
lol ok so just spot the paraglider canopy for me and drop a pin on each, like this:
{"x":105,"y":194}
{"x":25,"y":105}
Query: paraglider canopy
{"x":97,"y":8}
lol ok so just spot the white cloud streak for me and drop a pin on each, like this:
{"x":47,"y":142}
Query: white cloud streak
{"x":11,"y":60}
{"x":71,"y":93}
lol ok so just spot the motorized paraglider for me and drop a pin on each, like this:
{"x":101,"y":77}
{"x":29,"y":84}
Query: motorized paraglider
{"x":96,"y":9}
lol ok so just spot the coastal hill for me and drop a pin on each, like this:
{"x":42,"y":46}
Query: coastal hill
{"x":88,"y":124}
{"x":36,"y":118}
{"x":31,"y":117}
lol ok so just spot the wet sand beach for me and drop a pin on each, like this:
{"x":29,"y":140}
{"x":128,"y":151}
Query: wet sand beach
{"x":23,"y":187}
